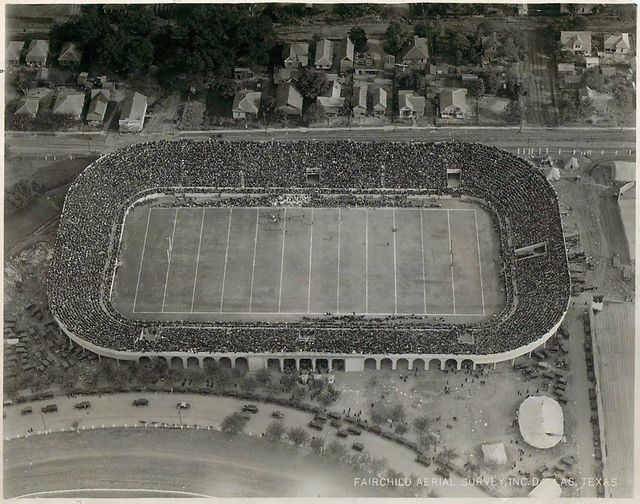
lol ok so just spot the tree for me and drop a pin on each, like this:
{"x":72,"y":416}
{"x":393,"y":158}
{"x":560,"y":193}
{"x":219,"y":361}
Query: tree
{"x":421,"y":424}
{"x":262,"y":377}
{"x":121,"y":375}
{"x":248,"y":384}
{"x":448,"y":454}
{"x":317,"y":445}
{"x":234,"y":424}
{"x":313,"y":83}
{"x":401,"y":429}
{"x":336,"y":450}
{"x":585,"y":108}
{"x":298,"y":393}
{"x":490,"y":81}
{"x":514,"y":112}
{"x":289,"y":380}
{"x":275,"y":431}
{"x":567,"y":111}
{"x":298,"y":435}
{"x":593,"y":79}
{"x":359,"y":38}
{"x":421,"y":29}
{"x":510,"y":51}
{"x":426,"y":441}
{"x":396,"y":37}
{"x":315,"y":113}
{"x":480,"y":89}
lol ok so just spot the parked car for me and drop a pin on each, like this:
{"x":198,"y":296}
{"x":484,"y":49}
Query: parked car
{"x":334,"y":415}
{"x":26,"y":411}
{"x":277,"y":414}
{"x":251,"y":408}
{"x":49,"y":408}
{"x":320,"y":417}
{"x":47,"y":395}
{"x":83,"y":405}
{"x":441,"y":471}
{"x":316,"y":424}
{"x":141,"y":402}
{"x":357,"y":446}
{"x":343,"y":433}
{"x":424,"y":460}
{"x":336,"y":423}
{"x":354,"y":430}
{"x":183,"y":405}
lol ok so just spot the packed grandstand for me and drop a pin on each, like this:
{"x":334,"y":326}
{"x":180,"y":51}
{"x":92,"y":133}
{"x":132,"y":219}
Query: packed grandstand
{"x":523,"y":204}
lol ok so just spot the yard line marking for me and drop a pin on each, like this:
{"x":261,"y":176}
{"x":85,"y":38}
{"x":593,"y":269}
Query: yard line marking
{"x":424,"y":278}
{"x":302,"y":314}
{"x":310,"y":257}
{"x":453,"y":287}
{"x":195,"y":276}
{"x":479,"y":262}
{"x":395,"y":275}
{"x":366,"y":260}
{"x":144,"y":245}
{"x":338,"y":287}
{"x":255,"y":247}
{"x":226,"y":256}
{"x":169,"y":254}
{"x":284,"y":232}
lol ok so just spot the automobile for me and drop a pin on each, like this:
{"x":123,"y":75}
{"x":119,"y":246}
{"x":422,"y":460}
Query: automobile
{"x":562,"y":380}
{"x":141,"y":402}
{"x":183,"y":405}
{"x":441,"y":471}
{"x":543,"y":365}
{"x":49,"y":408}
{"x":424,"y":460}
{"x":83,"y":405}
{"x":354,"y":430}
{"x":26,"y":411}
{"x":562,"y":400}
{"x":336,"y":423}
{"x":334,"y":415}
{"x":320,"y":418}
{"x":357,"y":446}
{"x":277,"y":414}
{"x":251,"y":408}
{"x":315,"y":424}
{"x":343,"y":433}
{"x":47,"y":395}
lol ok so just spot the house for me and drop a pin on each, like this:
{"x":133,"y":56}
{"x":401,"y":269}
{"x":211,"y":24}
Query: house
{"x":13,"y":52}
{"x":359,"y":101}
{"x":288,"y":99}
{"x":246,"y":104}
{"x":69,"y":55}
{"x":617,"y":43}
{"x":69,"y":103}
{"x":28,"y":106}
{"x":379,"y":102}
{"x":332,"y":100}
{"x":285,"y":75}
{"x":469,"y":78}
{"x":453,"y":103}
{"x":491,"y":45}
{"x":523,"y":9}
{"x":389,"y":62}
{"x":441,"y":69}
{"x":324,"y":54}
{"x":417,"y":56}
{"x":98,"y":106}
{"x":600,"y":101}
{"x":345,"y":54}
{"x":578,"y":42}
{"x":571,"y":8}
{"x":38,"y":53}
{"x":242,"y":73}
{"x":591,"y":61}
{"x":410,"y":105}
{"x":566,"y":68}
{"x":296,"y":55}
{"x":132,"y":112}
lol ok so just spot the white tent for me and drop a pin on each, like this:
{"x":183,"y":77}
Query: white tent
{"x":494,"y":453}
{"x":624,"y":171}
{"x":548,"y":488}
{"x":572,"y":163}
{"x":541,"y":421}
{"x":552,"y":173}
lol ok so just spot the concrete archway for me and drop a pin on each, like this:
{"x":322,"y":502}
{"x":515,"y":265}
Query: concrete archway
{"x":208,"y":362}
{"x":242,"y":364}
{"x":290,"y":364}
{"x":306,"y":365}
{"x":434,"y":364}
{"x":322,"y":365}
{"x":144,"y":361}
{"x":337,"y":364}
{"x":402,"y":364}
{"x":386,"y":363}
{"x":177,"y":363}
{"x":418,"y":365}
{"x":370,"y":364}
{"x":273,"y":365}
{"x":225,"y":362}
{"x":193,"y":363}
{"x":451,"y":364}
{"x":467,"y":364}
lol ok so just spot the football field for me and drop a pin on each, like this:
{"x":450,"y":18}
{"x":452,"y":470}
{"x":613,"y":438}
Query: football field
{"x":285,"y":263}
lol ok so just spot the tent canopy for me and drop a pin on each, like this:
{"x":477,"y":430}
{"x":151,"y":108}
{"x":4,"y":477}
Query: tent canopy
{"x":547,"y":489}
{"x":624,"y":171}
{"x":541,"y":421}
{"x":494,"y":453}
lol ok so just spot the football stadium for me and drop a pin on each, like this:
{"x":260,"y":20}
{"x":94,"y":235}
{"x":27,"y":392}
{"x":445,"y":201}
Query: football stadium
{"x":320,"y":255}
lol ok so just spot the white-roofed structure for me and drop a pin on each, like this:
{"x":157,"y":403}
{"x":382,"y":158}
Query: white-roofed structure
{"x":541,"y":421}
{"x":624,"y":171}
{"x":627,"y":204}
{"x":552,"y":173}
{"x":494,"y":453}
{"x":572,"y":163}
{"x":548,"y":488}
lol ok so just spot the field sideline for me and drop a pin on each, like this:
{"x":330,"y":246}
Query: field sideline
{"x":277,"y":263}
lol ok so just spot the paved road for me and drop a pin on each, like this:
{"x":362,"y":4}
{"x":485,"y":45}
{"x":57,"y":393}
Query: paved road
{"x":116,"y":410}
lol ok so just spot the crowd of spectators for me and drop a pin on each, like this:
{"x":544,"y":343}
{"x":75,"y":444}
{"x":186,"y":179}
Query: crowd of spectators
{"x":522,"y":203}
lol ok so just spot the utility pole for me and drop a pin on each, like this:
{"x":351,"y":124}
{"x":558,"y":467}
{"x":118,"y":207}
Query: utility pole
{"x":43,"y":422}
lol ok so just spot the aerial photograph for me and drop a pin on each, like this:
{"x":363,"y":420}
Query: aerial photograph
{"x":337,"y":250}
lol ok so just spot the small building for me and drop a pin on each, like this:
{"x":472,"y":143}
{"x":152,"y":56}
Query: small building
{"x":453,"y":103}
{"x":13,"y":53}
{"x":69,"y":103}
{"x":98,"y":106}
{"x":410,"y":105}
{"x":359,"y":102}
{"x":389,"y":62}
{"x":469,"y":78}
{"x":578,"y":42}
{"x":246,"y":104}
{"x":38,"y":53}
{"x":69,"y":55}
{"x":332,"y":100}
{"x":379,"y":102}
{"x":324,"y":54}
{"x":296,"y":55}
{"x":571,"y":8}
{"x":82,"y":78}
{"x":617,"y":43}
{"x":133,"y":110}
{"x":600,"y":101}
{"x":494,"y":453}
{"x":288,"y":99}
{"x":242,"y":73}
{"x":566,"y":68}
{"x":28,"y":106}
{"x":591,"y":61}
{"x":345,"y":54}
{"x":417,"y":56}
